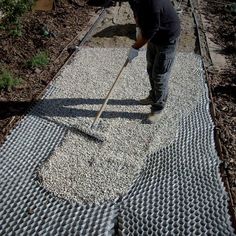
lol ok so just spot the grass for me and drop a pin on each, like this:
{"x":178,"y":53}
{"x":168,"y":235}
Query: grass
{"x":40,"y":60}
{"x":8,"y":80}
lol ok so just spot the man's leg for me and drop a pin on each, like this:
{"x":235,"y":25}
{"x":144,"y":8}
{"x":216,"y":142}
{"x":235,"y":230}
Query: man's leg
{"x":165,"y":55}
{"x":161,"y":74}
{"x":151,"y":56}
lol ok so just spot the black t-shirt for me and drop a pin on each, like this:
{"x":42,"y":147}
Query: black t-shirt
{"x":157,"y":19}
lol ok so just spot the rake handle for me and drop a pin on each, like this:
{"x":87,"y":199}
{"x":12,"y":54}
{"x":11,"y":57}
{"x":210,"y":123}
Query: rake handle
{"x":99,"y":113}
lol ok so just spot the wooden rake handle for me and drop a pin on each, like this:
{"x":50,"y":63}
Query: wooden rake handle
{"x":99,"y":113}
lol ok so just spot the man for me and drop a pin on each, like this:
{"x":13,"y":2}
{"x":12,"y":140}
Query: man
{"x":158,"y":25}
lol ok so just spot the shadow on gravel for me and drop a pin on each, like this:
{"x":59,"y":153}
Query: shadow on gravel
{"x":127,"y":30}
{"x":96,"y":3}
{"x":105,"y":3}
{"x":62,"y":108}
{"x":73,"y":113}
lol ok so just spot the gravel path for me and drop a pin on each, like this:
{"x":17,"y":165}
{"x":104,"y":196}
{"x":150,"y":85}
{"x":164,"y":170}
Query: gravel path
{"x":87,"y":171}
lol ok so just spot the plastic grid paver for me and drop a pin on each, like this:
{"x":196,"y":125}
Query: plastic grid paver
{"x":178,"y":192}
{"x":26,"y":208}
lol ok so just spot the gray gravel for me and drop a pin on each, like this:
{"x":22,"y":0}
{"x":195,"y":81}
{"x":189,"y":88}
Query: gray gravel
{"x":88,"y":171}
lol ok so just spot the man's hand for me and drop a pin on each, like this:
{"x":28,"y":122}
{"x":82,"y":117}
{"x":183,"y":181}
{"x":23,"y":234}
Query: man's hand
{"x":132,"y":54}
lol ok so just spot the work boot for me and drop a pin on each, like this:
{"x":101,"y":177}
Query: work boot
{"x":153,"y":117}
{"x":146,"y":101}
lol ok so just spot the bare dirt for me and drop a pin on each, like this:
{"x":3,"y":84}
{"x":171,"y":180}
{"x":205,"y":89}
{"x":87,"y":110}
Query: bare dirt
{"x":69,"y":18}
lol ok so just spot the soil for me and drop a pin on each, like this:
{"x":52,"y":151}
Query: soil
{"x":67,"y":21}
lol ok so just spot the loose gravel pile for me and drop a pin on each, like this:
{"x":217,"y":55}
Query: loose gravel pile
{"x":88,"y":171}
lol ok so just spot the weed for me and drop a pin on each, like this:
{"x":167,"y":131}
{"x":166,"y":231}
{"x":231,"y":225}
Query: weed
{"x":12,"y":10}
{"x":2,"y":27}
{"x":8,"y":80}
{"x":16,"y":32}
{"x":40,"y":60}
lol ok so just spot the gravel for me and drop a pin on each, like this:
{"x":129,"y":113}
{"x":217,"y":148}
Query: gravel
{"x":88,"y":171}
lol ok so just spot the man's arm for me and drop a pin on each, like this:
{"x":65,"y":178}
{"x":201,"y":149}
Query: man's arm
{"x":149,"y":18}
{"x":140,"y":43}
{"x":133,"y":52}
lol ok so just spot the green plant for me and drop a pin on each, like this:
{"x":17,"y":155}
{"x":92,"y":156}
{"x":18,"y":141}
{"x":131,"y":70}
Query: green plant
{"x":12,"y":10}
{"x":16,"y":32}
{"x":40,"y":60}
{"x":2,"y":27}
{"x":8,"y":80}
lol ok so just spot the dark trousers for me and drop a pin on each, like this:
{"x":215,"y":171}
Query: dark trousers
{"x":160,"y":59}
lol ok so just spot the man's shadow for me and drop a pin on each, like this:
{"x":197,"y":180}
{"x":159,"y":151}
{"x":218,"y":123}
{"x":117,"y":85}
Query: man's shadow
{"x":127,"y":30}
{"x":62,"y":108}
{"x":104,"y":3}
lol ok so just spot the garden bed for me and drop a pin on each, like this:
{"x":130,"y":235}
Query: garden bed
{"x":33,"y":55}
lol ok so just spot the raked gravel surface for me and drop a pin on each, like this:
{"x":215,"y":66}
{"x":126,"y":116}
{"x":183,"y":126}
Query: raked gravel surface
{"x":88,"y":171}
